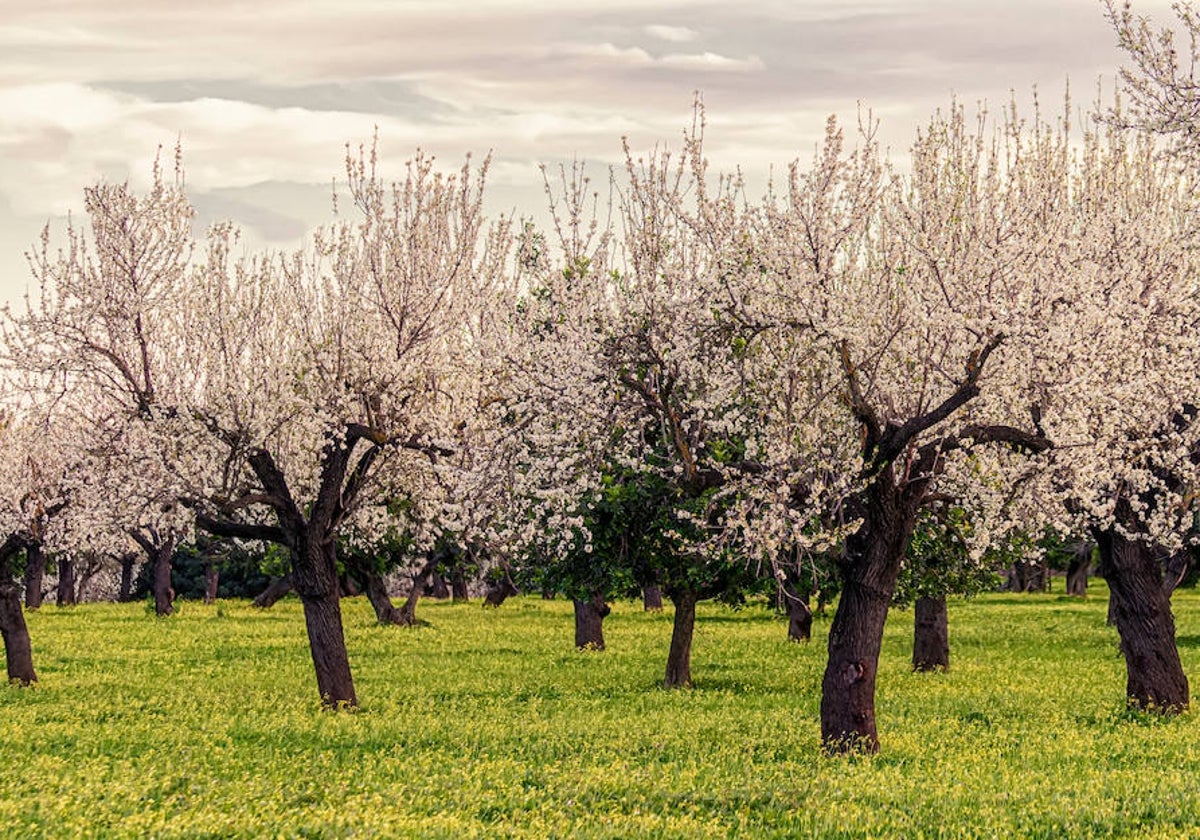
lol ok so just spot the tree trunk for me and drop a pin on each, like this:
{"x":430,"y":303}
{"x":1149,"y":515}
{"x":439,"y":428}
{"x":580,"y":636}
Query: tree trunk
{"x":408,"y":612}
{"x":589,"y":622}
{"x":679,"y":659}
{"x":1077,"y":576}
{"x":499,"y":591}
{"x":437,"y":588}
{"x":35,"y":574}
{"x":276,"y":589}
{"x":212,"y":577}
{"x":314,"y":574}
{"x":871,"y":563}
{"x":18,"y":650}
{"x":164,"y":595}
{"x":1141,"y":609}
{"x":385,"y":610}
{"x":652,"y":598}
{"x":931,"y":635}
{"x":458,"y":586}
{"x":800,"y":618}
{"x":66,"y":582}
{"x":1175,"y":569}
{"x":128,"y":563}
{"x":1028,"y":576}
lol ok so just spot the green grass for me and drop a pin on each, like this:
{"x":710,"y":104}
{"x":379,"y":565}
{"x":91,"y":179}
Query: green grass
{"x":488,"y":723}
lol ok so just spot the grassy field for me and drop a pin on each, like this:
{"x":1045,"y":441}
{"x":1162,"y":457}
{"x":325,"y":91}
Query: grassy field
{"x":490,"y":724}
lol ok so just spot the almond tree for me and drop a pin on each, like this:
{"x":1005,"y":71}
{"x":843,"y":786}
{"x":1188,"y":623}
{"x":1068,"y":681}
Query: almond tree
{"x":898,"y":313}
{"x":334,"y":372}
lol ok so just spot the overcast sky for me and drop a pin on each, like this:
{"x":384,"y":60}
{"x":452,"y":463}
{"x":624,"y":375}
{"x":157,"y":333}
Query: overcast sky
{"x":265,"y":95}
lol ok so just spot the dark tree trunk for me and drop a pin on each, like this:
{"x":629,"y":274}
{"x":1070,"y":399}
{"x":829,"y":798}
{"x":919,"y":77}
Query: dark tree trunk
{"x":679,"y":659}
{"x":437,"y":588}
{"x":128,"y":563}
{"x":1141,"y":609}
{"x":589,"y":623}
{"x":408,"y":612}
{"x":212,"y":577}
{"x":800,"y":618}
{"x":870,"y":565}
{"x":1077,"y":576}
{"x":164,"y":595}
{"x":377,"y":594}
{"x":18,"y":650}
{"x":458,"y":586}
{"x":931,"y":635}
{"x":66,"y":582}
{"x":1028,"y":576}
{"x":314,"y":575}
{"x":547,"y":594}
{"x":276,"y":589}
{"x":652,"y":598}
{"x":35,"y":574}
{"x":499,"y":591}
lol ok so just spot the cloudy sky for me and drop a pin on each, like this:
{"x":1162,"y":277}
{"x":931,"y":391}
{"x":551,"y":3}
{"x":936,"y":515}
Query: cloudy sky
{"x":265,"y":95}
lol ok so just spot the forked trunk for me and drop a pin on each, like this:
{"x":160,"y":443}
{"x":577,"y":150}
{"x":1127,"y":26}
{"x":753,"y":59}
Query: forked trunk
{"x":679,"y":659}
{"x":212,"y":577}
{"x":35,"y":574}
{"x":589,"y":622}
{"x":276,"y":589}
{"x":931,"y":635}
{"x":800,"y":618}
{"x":65,"y":592}
{"x":652,"y":598}
{"x":377,"y":594}
{"x":499,"y":591}
{"x":408,"y":612}
{"x":1141,"y":609}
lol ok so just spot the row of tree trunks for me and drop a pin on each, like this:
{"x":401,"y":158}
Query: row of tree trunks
{"x":18,"y":648}
{"x":931,"y":635}
{"x":1140,"y":606}
{"x":589,"y":622}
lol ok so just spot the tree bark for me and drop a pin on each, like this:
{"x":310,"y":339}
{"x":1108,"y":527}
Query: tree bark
{"x":66,"y":582}
{"x":870,"y":566}
{"x":18,"y":650}
{"x":437,"y":588}
{"x":164,"y":595}
{"x":499,"y":591}
{"x":458,"y":586}
{"x":128,"y":563}
{"x":385,"y":610}
{"x":800,"y":618}
{"x":408,"y":612}
{"x":931,"y":636}
{"x":212,"y":577}
{"x":679,"y":658}
{"x":1175,"y":569}
{"x":589,"y":622}
{"x":314,"y":574}
{"x":1141,"y":609}
{"x":276,"y":589}
{"x":35,"y":574}
{"x":652,"y":598}
{"x":1077,"y":576}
